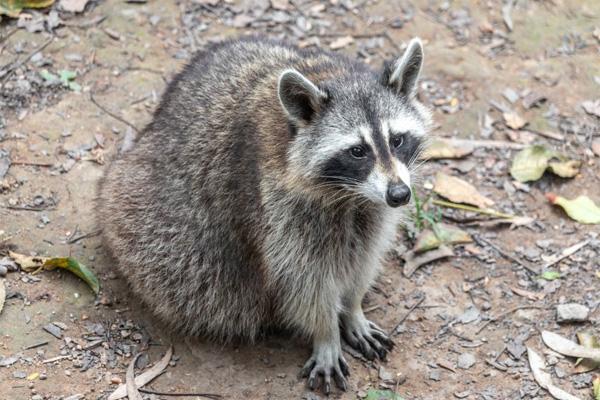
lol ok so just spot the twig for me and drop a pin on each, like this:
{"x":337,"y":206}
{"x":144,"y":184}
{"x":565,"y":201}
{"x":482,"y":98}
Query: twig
{"x":85,"y":236}
{"x":9,"y":34}
{"x":471,"y":208}
{"x":206,"y":395}
{"x":26,"y":208}
{"x":35,"y":346}
{"x":548,"y":134}
{"x":506,"y":313}
{"x":569,"y":251}
{"x":35,"y":164}
{"x":483,"y":242}
{"x":115,"y":116}
{"x":413,"y":308}
{"x":14,"y":67}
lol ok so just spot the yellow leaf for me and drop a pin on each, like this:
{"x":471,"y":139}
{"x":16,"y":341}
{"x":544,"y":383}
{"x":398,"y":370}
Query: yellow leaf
{"x":33,"y":376}
{"x":459,"y":191}
{"x":581,"y":209}
{"x":13,"y":8}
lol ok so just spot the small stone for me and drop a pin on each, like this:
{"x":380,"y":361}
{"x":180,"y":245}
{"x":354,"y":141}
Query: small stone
{"x":466,"y":360}
{"x":3,"y":271}
{"x":396,"y":23}
{"x":115,"y":380}
{"x":53,"y":330}
{"x":571,"y":312}
{"x":20,"y":374}
{"x":43,"y":376}
{"x":37,"y":397}
{"x":435,"y":375}
{"x":9,"y":264}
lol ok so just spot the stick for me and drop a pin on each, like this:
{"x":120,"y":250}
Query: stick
{"x":569,"y":251}
{"x":207,"y":395}
{"x":483,"y":242}
{"x":115,"y":116}
{"x":85,"y":236}
{"x":473,"y":209}
{"x":413,"y":308}
{"x":36,"y":164}
{"x":12,"y":69}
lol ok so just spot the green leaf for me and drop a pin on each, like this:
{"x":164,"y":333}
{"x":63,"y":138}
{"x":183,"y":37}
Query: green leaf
{"x":550,"y":275}
{"x":374,"y":394}
{"x":596,"y":384}
{"x":67,"y":77}
{"x":48,"y":76}
{"x":13,"y":8}
{"x":581,"y":209}
{"x":76,"y":268}
{"x":530,"y":163}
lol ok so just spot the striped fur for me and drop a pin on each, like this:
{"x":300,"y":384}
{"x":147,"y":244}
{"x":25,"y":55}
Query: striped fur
{"x":220,"y":217}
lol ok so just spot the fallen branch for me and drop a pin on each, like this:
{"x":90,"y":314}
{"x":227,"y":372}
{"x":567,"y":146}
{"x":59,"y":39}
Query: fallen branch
{"x":205,"y":395}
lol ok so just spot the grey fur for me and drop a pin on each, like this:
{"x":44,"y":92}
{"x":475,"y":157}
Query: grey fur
{"x":221,"y":219}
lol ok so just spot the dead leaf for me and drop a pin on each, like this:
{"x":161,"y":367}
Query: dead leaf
{"x":514,"y":120}
{"x":36,"y":264}
{"x":587,"y":340}
{"x":341,"y":42}
{"x":145,"y":377}
{"x":524,"y":137}
{"x":543,"y":378}
{"x":75,"y":6}
{"x":569,"y":348}
{"x":506,"y":15}
{"x":459,"y":191}
{"x":533,"y":296}
{"x":2,"y":295}
{"x":592,"y":107}
{"x":132,"y":392}
{"x":447,"y":148}
{"x":596,"y":146}
{"x":412,"y":260}
{"x":430,"y":239}
{"x":280,"y":4}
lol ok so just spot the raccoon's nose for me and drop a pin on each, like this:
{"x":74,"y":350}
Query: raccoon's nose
{"x":398,"y":194}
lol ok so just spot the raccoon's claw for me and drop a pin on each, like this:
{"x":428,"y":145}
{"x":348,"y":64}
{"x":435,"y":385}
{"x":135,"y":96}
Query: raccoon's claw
{"x":367,"y":337}
{"x":327,"y":364}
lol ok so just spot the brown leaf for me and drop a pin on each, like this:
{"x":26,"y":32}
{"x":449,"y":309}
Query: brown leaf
{"x":592,"y":107}
{"x":447,"y":148}
{"x":341,"y":42}
{"x":459,"y":191}
{"x":412,"y":260}
{"x":145,"y":377}
{"x":513,"y":120}
{"x":533,"y":296}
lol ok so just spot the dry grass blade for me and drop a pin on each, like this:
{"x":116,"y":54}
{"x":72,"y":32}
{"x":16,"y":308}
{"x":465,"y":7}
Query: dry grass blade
{"x":145,"y":377}
{"x":132,"y":392}
{"x":537,"y":364}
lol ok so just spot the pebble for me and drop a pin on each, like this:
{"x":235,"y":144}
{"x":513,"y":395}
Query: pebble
{"x":596,"y":146}
{"x":3,"y":270}
{"x":37,"y":397}
{"x":571,"y":312}
{"x":19,"y":374}
{"x":466,"y":360}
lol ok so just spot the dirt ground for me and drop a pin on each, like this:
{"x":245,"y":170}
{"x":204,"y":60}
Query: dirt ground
{"x":59,"y":140}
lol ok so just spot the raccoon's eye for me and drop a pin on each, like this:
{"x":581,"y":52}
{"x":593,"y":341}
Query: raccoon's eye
{"x":358,"y":152}
{"x":397,"y":141}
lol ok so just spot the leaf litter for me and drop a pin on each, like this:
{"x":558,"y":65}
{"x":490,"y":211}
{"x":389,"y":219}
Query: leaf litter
{"x":531,"y":163}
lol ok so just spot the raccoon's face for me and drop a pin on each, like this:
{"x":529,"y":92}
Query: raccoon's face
{"x":359,"y":135}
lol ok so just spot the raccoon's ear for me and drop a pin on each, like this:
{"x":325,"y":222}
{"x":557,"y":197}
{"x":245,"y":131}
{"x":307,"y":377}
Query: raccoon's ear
{"x":403,"y":74}
{"x":300,"y":98}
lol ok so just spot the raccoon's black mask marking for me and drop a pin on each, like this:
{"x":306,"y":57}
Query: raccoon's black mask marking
{"x":344,"y":168}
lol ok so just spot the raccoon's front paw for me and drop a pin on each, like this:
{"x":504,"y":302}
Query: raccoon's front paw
{"x":366,"y":336}
{"x":326,"y":362}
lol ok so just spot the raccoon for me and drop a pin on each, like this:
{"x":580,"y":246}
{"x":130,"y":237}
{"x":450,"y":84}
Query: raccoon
{"x":265,"y":193}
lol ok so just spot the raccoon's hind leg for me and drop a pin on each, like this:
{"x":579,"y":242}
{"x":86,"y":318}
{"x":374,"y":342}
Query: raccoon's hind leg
{"x":360,"y":333}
